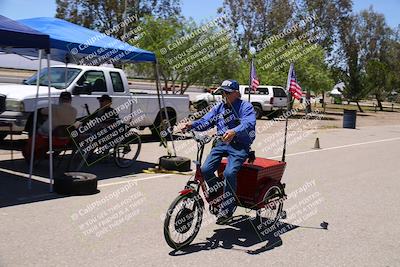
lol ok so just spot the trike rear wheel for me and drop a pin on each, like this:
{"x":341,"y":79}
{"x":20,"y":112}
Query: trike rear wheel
{"x":272,"y":202}
{"x":183,"y":221}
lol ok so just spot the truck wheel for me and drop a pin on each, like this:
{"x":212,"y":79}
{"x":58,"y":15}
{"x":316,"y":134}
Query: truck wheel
{"x":160,"y":127}
{"x":258,"y":111}
{"x":171,"y":163}
{"x":76,"y":183}
{"x":29,"y":123}
{"x":201,"y":105}
{"x":2,"y":136}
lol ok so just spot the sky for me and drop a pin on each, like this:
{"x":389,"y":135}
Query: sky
{"x":199,"y":10}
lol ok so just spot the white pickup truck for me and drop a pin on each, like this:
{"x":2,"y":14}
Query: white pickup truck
{"x":267,"y":100}
{"x":85,"y":83}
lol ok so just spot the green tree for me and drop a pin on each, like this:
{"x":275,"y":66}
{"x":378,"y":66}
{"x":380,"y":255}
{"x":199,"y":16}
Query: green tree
{"x":351,"y":54}
{"x":328,"y":15}
{"x":377,"y":80}
{"x":104,"y":15}
{"x":365,"y":42}
{"x":254,"y":21}
{"x":188,"y":53}
{"x":274,"y":61}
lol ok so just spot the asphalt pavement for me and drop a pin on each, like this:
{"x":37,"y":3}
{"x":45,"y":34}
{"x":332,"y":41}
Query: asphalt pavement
{"x":343,"y":209}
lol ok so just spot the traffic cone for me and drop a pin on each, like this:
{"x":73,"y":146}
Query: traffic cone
{"x":316,"y":144}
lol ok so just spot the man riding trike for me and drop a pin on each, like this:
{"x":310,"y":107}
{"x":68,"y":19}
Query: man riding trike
{"x":235,"y":120}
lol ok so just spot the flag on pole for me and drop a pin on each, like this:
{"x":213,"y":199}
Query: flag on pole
{"x":253,"y":77}
{"x":294,"y":87}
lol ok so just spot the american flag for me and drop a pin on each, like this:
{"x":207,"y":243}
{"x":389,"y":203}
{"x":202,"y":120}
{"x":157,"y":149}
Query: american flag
{"x":253,"y":77}
{"x":294,"y":87}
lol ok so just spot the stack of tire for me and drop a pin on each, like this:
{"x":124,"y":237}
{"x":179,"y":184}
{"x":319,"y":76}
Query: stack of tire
{"x":76,"y":183}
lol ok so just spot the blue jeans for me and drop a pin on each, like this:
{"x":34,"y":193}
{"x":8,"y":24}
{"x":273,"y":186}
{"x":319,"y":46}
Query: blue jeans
{"x":236,"y":156}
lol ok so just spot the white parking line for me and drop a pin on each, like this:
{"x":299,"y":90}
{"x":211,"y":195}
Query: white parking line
{"x":25,"y":175}
{"x":139,"y":179}
{"x":293,"y":154}
{"x":338,"y":147}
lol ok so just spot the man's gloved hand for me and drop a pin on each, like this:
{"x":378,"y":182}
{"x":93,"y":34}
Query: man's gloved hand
{"x":228,"y":136}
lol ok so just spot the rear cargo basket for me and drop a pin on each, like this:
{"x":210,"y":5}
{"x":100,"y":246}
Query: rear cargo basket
{"x":252,"y":177}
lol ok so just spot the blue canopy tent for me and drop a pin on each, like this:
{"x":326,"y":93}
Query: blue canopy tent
{"x":73,"y":43}
{"x":66,"y":42}
{"x":17,"y":35}
{"x":21,"y":39}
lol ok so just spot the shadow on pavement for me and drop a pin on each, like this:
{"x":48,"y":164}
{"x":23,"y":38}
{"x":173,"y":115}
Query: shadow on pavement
{"x":15,"y":145}
{"x":104,"y":169}
{"x":241,"y":234}
{"x":14,"y":186}
{"x":14,"y":190}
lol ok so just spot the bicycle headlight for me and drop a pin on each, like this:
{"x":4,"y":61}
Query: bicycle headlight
{"x":14,"y":105}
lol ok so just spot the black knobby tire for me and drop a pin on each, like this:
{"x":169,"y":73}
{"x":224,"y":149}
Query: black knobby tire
{"x":127,"y":151}
{"x":175,"y":163}
{"x":76,"y":183}
{"x":259,"y":111}
{"x":180,"y":225}
{"x":273,"y":205}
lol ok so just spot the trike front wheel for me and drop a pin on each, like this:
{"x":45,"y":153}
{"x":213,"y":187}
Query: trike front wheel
{"x":183,"y":220}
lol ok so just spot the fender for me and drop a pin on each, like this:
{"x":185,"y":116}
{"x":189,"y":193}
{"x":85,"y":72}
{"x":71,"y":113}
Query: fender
{"x":186,"y":191}
{"x":192,"y":193}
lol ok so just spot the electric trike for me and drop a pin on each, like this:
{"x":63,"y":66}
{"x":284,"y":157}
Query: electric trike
{"x":259,"y":188}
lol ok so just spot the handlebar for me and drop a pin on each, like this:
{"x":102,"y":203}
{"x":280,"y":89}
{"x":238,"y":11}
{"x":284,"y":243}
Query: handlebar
{"x":203,"y":139}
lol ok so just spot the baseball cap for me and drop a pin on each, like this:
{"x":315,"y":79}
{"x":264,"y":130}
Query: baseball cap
{"x":105,"y":97}
{"x":229,"y":86}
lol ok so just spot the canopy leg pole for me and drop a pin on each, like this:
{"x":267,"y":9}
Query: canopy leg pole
{"x":50,"y":125}
{"x":34,"y":122}
{"x":164,"y":107}
{"x":157,"y":78}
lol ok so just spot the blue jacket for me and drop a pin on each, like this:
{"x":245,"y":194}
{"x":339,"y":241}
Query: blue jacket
{"x":239,"y":117}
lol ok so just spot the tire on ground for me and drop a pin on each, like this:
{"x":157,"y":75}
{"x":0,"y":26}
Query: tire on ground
{"x":177,"y":163}
{"x":76,"y":183}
